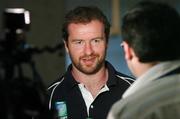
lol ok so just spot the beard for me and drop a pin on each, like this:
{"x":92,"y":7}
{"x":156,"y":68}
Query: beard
{"x":89,"y":64}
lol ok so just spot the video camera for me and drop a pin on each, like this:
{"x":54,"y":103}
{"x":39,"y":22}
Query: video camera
{"x":16,"y":19}
{"x":21,"y":97}
{"x":16,"y":22}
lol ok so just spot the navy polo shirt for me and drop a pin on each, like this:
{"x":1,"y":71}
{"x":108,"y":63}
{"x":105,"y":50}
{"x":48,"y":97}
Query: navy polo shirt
{"x":66,"y":89}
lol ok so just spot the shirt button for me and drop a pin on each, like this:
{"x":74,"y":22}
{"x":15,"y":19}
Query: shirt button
{"x":92,"y":106}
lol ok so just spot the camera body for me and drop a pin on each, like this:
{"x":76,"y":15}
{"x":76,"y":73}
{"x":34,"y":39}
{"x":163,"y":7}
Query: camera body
{"x":21,"y":97}
{"x":16,"y":21}
{"x":16,"y":18}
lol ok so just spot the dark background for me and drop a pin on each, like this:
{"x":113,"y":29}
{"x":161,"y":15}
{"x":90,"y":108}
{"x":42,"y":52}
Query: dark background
{"x":45,"y":29}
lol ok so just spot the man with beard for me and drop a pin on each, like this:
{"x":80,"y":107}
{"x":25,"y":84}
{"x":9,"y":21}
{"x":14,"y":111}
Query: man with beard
{"x":90,"y":85}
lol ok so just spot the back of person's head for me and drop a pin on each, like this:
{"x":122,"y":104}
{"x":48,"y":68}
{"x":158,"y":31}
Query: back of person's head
{"x":84,"y":15}
{"x":152,"y":30}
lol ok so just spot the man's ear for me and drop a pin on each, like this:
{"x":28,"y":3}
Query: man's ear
{"x":128,"y":51}
{"x":66,"y":46}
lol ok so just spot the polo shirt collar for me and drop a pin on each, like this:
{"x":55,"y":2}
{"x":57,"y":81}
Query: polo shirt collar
{"x":111,"y":76}
{"x":69,"y":78}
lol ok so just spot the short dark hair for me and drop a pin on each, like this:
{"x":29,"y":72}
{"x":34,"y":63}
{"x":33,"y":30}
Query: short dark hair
{"x":152,"y":29}
{"x":85,"y":14}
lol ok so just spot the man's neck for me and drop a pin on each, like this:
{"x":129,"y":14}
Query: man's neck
{"x":93,"y":82}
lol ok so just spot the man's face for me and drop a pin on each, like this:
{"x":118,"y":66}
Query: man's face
{"x":87,"y":46}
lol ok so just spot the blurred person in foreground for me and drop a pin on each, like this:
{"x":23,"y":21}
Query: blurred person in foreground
{"x":91,"y":84}
{"x":151,"y":39}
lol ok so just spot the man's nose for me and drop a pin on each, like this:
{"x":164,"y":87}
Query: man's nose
{"x":88,"y":49}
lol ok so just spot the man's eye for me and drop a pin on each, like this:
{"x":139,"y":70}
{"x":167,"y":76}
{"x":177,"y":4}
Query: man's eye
{"x":97,"y":40}
{"x":78,"y":42}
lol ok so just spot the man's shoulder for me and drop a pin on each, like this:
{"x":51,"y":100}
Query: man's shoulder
{"x":124,"y":77}
{"x":55,"y":83}
{"x":121,"y":76}
{"x":155,"y":96}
